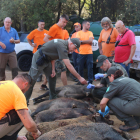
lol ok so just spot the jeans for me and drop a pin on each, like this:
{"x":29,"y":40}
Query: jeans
{"x":88,"y":58}
{"x":75,"y":57}
{"x":126,"y":67}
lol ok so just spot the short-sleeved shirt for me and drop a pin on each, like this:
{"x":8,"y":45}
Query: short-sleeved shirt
{"x":56,"y":49}
{"x":66,"y":35}
{"x":5,"y":38}
{"x":74,"y":36}
{"x":85,"y":48}
{"x":124,"y":88}
{"x":38,"y":37}
{"x":11,"y":97}
{"x":122,"y":53}
{"x":56,"y":32}
{"x":105,"y":81}
{"x":108,"y":48}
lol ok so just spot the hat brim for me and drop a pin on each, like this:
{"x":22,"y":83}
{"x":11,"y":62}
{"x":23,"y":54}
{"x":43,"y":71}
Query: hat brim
{"x":99,"y":64}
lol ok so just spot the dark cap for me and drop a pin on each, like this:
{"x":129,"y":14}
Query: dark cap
{"x":112,"y":70}
{"x":100,"y":60}
{"x":76,"y":42}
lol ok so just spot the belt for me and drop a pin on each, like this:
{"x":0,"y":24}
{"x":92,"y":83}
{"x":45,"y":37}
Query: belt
{"x":109,"y":42}
{"x":123,"y":45}
{"x":4,"y":120}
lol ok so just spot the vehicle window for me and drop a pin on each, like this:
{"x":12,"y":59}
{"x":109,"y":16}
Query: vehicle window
{"x":137,"y":32}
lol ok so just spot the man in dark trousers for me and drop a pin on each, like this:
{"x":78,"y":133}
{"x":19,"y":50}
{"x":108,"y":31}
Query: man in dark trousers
{"x":44,"y":59}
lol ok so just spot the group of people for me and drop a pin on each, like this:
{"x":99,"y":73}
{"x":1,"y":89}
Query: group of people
{"x":50,"y":54}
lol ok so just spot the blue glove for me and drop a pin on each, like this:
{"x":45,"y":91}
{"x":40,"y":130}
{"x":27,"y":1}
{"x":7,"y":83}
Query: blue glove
{"x":90,"y":86}
{"x":104,"y":113}
{"x":98,"y":75}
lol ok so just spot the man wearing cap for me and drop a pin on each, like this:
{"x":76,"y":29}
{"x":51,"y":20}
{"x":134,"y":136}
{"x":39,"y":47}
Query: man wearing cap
{"x":77,"y":27}
{"x":123,"y":98}
{"x":104,"y":64}
{"x":43,"y":60}
{"x":85,"y":50}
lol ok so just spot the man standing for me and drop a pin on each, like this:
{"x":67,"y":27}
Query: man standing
{"x":77,"y":27}
{"x":85,"y":54}
{"x":125,"y":46}
{"x":13,"y":109}
{"x":37,"y":36}
{"x":107,"y":38}
{"x":56,"y":32}
{"x":8,"y":38}
{"x":44,"y":60}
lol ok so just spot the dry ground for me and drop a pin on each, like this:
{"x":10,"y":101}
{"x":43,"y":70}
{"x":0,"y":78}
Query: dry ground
{"x":37,"y":92}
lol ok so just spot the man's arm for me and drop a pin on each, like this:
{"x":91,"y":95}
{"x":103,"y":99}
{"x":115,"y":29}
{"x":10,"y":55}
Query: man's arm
{"x":73,"y":71}
{"x":28,"y":122}
{"x":100,"y":48}
{"x":14,"y":41}
{"x":89,"y":41}
{"x":132,"y":52}
{"x":32,"y":44}
{"x":2,"y":45}
{"x":53,"y":68}
{"x":46,"y":38}
{"x":103,"y":104}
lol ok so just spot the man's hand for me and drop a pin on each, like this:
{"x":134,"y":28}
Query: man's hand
{"x":53,"y":73}
{"x":34,"y":45}
{"x":83,"y":81}
{"x":126,"y":62}
{"x":36,"y":135}
{"x":2,"y":45}
{"x":101,"y":52}
{"x":104,"y":113}
{"x":12,"y":40}
{"x":98,"y":76}
{"x":90,"y":86}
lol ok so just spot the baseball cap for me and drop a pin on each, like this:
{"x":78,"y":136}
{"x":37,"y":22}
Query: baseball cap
{"x":112,"y":70}
{"x":76,"y":42}
{"x":100,"y":60}
{"x":77,"y":23}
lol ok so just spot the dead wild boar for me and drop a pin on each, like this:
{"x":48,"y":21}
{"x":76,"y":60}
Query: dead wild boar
{"x":69,"y":91}
{"x":83,"y":131}
{"x":61,"y":103}
{"x":61,"y":113}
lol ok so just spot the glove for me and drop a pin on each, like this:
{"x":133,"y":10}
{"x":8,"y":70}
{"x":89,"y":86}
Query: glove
{"x":90,"y":86}
{"x":104,"y":113}
{"x":98,"y":76}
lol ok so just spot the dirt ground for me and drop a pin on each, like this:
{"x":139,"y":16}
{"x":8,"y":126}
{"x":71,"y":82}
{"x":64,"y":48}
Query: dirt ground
{"x":37,"y":92}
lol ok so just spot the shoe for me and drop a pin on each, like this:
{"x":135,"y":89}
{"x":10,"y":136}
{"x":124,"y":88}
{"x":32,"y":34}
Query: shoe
{"x":127,"y":128}
{"x":73,"y":77}
{"x":39,"y":79}
{"x":44,"y":87}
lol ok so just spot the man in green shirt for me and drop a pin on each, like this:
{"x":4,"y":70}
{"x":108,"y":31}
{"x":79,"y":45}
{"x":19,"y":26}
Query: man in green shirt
{"x":123,"y":98}
{"x":44,"y":60}
{"x":104,"y":64}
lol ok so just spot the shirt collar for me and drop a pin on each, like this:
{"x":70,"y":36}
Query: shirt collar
{"x":11,"y":29}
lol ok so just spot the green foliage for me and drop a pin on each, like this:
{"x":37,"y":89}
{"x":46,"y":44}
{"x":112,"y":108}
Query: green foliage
{"x":26,"y":13}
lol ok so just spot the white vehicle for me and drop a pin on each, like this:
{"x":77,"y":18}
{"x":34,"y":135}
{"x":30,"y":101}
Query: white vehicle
{"x":136,"y":58}
{"x":24,"y":53}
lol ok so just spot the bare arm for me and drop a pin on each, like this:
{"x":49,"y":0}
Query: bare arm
{"x":2,"y":45}
{"x":100,"y":47}
{"x":89,"y":41}
{"x":14,"y":41}
{"x":103,"y":104}
{"x":53,"y":68}
{"x":28,"y":122}
{"x":132,"y":52}
{"x":30,"y":42}
{"x":73,"y":71}
{"x":46,"y":38}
